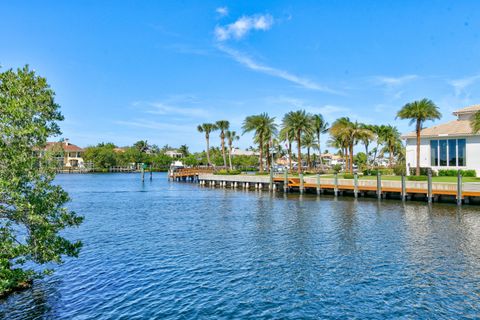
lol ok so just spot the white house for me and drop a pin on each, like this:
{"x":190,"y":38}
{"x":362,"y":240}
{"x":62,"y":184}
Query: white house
{"x":174,"y":154}
{"x":451,"y":145}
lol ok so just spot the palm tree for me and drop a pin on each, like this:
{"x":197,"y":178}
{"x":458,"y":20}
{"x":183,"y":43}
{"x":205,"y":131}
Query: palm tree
{"x":300,"y":122}
{"x":223,"y":126}
{"x":321,"y":126}
{"x":263,"y":127}
{"x":308,"y":142}
{"x":340,"y":132}
{"x":367,"y":138}
{"x":231,"y":136}
{"x":391,"y":139}
{"x":475,"y":122}
{"x":418,"y":112}
{"x":207,"y":128}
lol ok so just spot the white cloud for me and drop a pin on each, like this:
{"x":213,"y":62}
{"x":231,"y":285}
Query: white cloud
{"x":148,"y":124}
{"x":395,"y":81}
{"x":242,"y":26}
{"x":162,"y":108}
{"x":222,"y":11}
{"x":461,"y":84}
{"x":253,"y":65}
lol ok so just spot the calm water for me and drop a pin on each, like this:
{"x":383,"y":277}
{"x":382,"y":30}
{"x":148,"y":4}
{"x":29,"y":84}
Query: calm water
{"x":177,"y":250}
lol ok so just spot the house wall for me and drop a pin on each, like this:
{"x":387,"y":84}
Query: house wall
{"x":472,"y":153}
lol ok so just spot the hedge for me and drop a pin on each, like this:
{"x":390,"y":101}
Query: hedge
{"x":423,"y":171}
{"x":374,"y":172}
{"x":417,"y":178}
{"x":454,"y":173}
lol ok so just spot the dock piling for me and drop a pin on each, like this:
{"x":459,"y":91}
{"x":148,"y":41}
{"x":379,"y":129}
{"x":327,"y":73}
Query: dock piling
{"x":379,"y":185}
{"x":335,"y":187}
{"x":355,"y":184}
{"x":318,"y":183}
{"x":459,"y":188}
{"x":301,"y":183}
{"x":429,"y":187}
{"x":285,"y":182}
{"x":404,"y":188}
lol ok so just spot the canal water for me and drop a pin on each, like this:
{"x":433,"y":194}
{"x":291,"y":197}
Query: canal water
{"x":159,"y":250}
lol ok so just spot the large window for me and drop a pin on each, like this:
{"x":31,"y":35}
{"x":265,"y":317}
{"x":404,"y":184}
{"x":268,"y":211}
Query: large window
{"x":448,"y":153}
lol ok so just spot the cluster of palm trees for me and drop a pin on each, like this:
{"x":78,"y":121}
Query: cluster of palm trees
{"x":305,"y":131}
{"x":225,"y":133}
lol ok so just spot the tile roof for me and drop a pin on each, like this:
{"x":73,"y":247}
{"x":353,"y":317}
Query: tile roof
{"x":469,"y":109}
{"x":69,"y":147}
{"x":452,"y":128}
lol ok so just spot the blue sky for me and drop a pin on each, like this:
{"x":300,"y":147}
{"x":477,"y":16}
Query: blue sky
{"x":130,"y":70}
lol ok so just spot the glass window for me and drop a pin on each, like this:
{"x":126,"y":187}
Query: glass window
{"x":442,"y":144}
{"x":434,"y":152}
{"x":462,"y":152}
{"x":452,"y":152}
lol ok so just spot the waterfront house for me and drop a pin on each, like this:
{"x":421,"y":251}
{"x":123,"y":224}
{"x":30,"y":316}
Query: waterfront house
{"x":239,"y":152}
{"x":174,"y":154}
{"x":67,"y":154}
{"x":451,"y":145}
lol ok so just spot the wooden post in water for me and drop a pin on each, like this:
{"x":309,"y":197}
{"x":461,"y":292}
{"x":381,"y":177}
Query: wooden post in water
{"x":270,"y":186}
{"x":379,"y":185}
{"x":404,"y":188}
{"x":285,"y":182}
{"x":459,"y":188}
{"x":355,"y":184}
{"x":318,"y":183}
{"x":143,"y":173}
{"x":335,"y":184}
{"x":301,"y":183}
{"x":151,"y":173}
{"x":429,"y":187}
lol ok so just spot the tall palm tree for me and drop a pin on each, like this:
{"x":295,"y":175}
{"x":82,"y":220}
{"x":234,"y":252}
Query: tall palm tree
{"x":418,"y":112}
{"x":391,"y":140}
{"x":223,"y":126}
{"x":475,"y":122}
{"x":231,"y":136}
{"x":300,"y":122}
{"x":320,"y":126}
{"x":263,"y":127}
{"x":207,"y":128}
{"x":340,"y":132}
{"x":309,"y":142}
{"x":367,"y":138}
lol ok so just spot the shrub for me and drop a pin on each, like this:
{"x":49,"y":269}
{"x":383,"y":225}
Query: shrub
{"x":337,"y":168}
{"x":453,"y":173}
{"x":400,"y":169}
{"x":423,"y":171}
{"x":227,"y":172}
{"x":348,"y":176}
{"x":374,"y":172}
{"x":417,"y":178}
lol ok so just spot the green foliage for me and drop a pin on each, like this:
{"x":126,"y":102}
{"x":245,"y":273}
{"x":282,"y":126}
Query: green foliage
{"x":454,"y":173}
{"x":423,"y":171}
{"x":348,"y":176}
{"x":337,"y":168}
{"x":417,"y":178}
{"x":400,"y":169}
{"x":103,"y":155}
{"x":227,"y":172}
{"x":32,"y":210}
{"x":374,"y":172}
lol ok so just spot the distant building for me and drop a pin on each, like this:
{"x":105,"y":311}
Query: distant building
{"x":174,"y":154}
{"x":69,"y":155}
{"x":239,"y":152}
{"x":451,"y":145}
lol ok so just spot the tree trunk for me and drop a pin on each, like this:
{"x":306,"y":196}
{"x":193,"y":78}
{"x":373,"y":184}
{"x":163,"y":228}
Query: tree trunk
{"x":418,"y":147}
{"x":366,"y":152}
{"x":390,"y":164}
{"x":267,"y":155}
{"x":222,"y":136}
{"x":290,"y":155}
{"x":299,"y":146}
{"x":261,"y":155}
{"x":351,"y":158}
{"x":208,"y":150}
{"x":309,"y":164}
{"x":320,"y":151}
{"x":230,"y":155}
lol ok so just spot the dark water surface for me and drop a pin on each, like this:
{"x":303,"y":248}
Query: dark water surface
{"x":177,"y":250}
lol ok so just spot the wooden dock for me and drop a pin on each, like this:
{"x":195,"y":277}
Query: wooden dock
{"x":421,"y":190}
{"x":188,"y":173}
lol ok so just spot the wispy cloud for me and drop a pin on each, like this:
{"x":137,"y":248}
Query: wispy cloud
{"x":395,"y":81}
{"x":461,"y":84}
{"x":256,"y":66}
{"x":162,"y":108}
{"x":149,"y":124}
{"x":241,"y":27}
{"x":222,"y":11}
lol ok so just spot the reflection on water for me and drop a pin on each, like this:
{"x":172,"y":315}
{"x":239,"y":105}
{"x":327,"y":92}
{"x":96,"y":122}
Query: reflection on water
{"x":177,"y":250}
